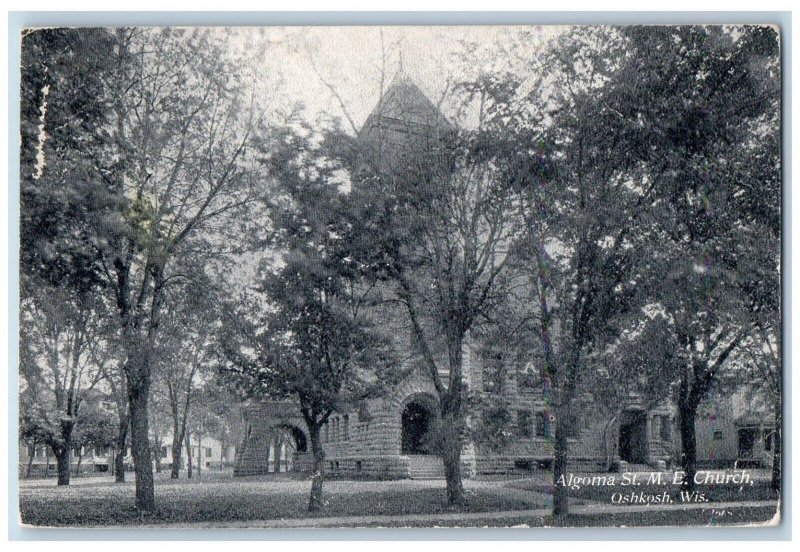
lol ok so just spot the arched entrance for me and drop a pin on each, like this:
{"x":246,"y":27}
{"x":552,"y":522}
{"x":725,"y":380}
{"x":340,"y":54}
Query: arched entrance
{"x":298,"y":438}
{"x":266,"y":422}
{"x":633,"y":437}
{"x":419,"y":422}
{"x":282,"y":449}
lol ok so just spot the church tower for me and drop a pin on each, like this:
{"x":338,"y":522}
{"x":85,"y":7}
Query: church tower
{"x":404,"y":127}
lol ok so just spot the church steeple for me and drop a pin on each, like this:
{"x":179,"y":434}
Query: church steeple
{"x":403,"y":103}
{"x":404,"y":125}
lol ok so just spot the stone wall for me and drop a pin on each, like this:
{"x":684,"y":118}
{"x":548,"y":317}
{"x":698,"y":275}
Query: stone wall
{"x":366,"y":442}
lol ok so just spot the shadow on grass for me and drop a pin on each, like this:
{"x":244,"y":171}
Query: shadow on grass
{"x":190,"y":504}
{"x":649,"y":518}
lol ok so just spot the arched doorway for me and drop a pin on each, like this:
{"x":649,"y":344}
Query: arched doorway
{"x":286,"y":443}
{"x":419,"y":422}
{"x":633,"y":437}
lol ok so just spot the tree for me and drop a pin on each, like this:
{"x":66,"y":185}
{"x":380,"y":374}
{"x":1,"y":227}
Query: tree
{"x":639,"y":364}
{"x":63,"y":119}
{"x":223,"y":408}
{"x":95,"y":428}
{"x":710,"y":122}
{"x":608,"y":160}
{"x":184,"y":352}
{"x":180,"y":132}
{"x":307,"y":334}
{"x":757,"y":198}
{"x":761,"y":354}
{"x":570,"y":168}
{"x":114,"y":377}
{"x":31,"y":432}
{"x":63,"y":195}
{"x":206,"y":422}
{"x":58,"y":334}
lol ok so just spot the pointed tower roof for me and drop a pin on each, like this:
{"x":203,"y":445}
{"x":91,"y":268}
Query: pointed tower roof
{"x":403,"y":102}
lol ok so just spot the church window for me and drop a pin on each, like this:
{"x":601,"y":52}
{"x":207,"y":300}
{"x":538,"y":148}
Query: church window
{"x":666,"y":430}
{"x":528,"y":380}
{"x":363,"y":411}
{"x":524,"y":423}
{"x":542,"y":424}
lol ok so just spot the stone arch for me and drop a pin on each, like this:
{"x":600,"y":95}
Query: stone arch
{"x":273,"y":437}
{"x":297,"y":435}
{"x":286,"y":442}
{"x":419,"y":421}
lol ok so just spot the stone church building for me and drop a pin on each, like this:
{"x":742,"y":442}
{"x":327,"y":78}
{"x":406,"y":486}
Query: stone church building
{"x":388,"y":437}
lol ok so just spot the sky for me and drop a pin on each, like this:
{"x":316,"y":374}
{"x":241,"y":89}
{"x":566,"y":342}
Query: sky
{"x":291,"y":63}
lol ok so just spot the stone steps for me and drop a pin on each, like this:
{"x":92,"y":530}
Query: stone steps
{"x":252,"y":457}
{"x":631,"y":468}
{"x":425,"y":467}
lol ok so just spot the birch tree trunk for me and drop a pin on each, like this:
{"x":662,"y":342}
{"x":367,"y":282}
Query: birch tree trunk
{"x":188,"y":456}
{"x":315,"y":501}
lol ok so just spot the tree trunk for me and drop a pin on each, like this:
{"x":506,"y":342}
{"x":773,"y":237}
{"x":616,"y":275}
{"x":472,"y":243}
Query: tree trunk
{"x":560,"y":460}
{"x":200,"y":457}
{"x":451,"y":430}
{"x":121,"y":445}
{"x":315,"y":502}
{"x":177,"y":441}
{"x":687,"y":411}
{"x":80,"y":461}
{"x":138,"y":395}
{"x":777,"y":444}
{"x":451,"y":456}
{"x":31,"y":456}
{"x":119,"y":466}
{"x":62,"y":461}
{"x":63,"y":452}
{"x":157,"y":454}
{"x":188,"y":440}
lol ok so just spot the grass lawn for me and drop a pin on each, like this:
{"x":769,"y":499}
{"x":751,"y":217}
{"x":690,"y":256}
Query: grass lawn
{"x":649,"y":518}
{"x":101,"y":502}
{"x":220,"y":498}
{"x":655,"y":517}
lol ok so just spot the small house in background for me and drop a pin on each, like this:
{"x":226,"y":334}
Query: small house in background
{"x":736,"y":430}
{"x":208,"y":453}
{"x":39,"y":461}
